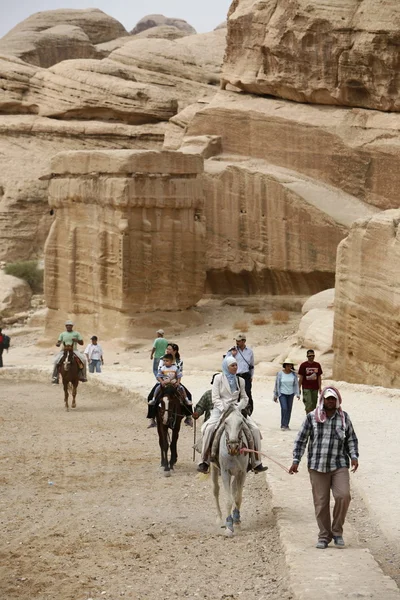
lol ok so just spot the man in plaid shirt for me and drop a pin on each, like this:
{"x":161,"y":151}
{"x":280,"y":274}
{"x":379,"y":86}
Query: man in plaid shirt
{"x":332,"y":444}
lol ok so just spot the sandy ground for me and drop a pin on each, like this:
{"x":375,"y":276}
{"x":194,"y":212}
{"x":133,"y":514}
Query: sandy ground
{"x":87,"y":513}
{"x":97,"y":506}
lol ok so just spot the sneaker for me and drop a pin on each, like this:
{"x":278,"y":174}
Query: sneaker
{"x":203,"y":467}
{"x":152,"y":402}
{"x":83,"y":380}
{"x":188,"y":421}
{"x":338,"y":541}
{"x":152,"y":424}
{"x":321,"y":544}
{"x":55,"y":381}
{"x":260,"y":468}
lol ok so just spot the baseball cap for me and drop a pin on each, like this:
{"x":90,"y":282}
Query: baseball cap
{"x":160,"y":331}
{"x":240,"y":337}
{"x":329,"y":392}
{"x":69,"y":322}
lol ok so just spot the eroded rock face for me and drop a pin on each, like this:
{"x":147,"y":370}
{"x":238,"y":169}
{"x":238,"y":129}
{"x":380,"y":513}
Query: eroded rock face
{"x":354,"y":150}
{"x":123,"y":236}
{"x":367,"y":303}
{"x":27,"y":144}
{"x":49,"y":37}
{"x":343,"y":53}
{"x":151,"y":21}
{"x":15,"y":295}
{"x":269,"y":231}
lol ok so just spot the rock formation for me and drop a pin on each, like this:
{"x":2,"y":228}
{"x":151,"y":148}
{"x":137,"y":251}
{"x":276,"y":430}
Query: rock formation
{"x":124,"y":237}
{"x":49,"y":37}
{"x":15,"y":295}
{"x":343,"y":53}
{"x":123,"y":101}
{"x":152,"y":21}
{"x":367,"y":302}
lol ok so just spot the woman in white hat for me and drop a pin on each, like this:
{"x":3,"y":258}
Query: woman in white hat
{"x":286,"y":387}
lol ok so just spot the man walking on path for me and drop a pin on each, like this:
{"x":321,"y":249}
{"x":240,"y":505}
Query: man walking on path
{"x":310,"y":380}
{"x":94,"y":355}
{"x":4,"y":345}
{"x":245,"y":361}
{"x":332,"y":444}
{"x":159,"y":347}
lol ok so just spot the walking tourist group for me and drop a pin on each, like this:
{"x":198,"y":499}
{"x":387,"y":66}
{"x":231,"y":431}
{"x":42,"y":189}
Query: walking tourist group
{"x":327,"y":431}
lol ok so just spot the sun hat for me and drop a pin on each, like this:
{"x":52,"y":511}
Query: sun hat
{"x":288,"y":361}
{"x":160,"y":331}
{"x":240,"y":337}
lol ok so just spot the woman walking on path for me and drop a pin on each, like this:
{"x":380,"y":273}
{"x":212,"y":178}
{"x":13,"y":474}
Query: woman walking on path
{"x":286,"y":386}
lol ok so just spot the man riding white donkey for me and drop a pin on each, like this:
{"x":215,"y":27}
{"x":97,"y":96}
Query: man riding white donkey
{"x":70,"y":338}
{"x":228,"y":390}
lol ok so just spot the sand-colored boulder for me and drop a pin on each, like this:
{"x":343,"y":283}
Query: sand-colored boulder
{"x":119,"y":235}
{"x":15,"y":295}
{"x":48,"y":37}
{"x":163,"y":32}
{"x":322,"y":300}
{"x":343,"y":53}
{"x":316,"y":330}
{"x":367,"y":303}
{"x":355,"y":150}
{"x":270,"y":230}
{"x":27,"y":144}
{"x":153,"y":21}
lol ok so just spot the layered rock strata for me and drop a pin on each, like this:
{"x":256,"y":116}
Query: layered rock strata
{"x":343,"y":53}
{"x":352,"y":149}
{"x":123,"y":236}
{"x":366,"y":338}
{"x":27,"y":144}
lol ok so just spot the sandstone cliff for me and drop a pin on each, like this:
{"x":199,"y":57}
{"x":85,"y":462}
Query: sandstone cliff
{"x":367,"y":302}
{"x":343,"y":53}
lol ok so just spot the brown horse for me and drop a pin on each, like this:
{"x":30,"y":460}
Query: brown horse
{"x":69,"y":371}
{"x":169,"y":414}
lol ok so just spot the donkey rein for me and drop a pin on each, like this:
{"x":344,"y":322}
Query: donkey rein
{"x":243,"y":450}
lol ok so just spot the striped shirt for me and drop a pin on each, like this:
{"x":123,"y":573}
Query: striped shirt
{"x":330,"y":447}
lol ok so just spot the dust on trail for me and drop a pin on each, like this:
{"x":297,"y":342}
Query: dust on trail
{"x":87,"y":513}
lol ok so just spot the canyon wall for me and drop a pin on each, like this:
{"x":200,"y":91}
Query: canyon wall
{"x":366,"y":338}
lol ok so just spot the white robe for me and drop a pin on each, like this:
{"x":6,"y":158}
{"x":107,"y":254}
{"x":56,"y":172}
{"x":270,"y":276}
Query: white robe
{"x":222,"y":398}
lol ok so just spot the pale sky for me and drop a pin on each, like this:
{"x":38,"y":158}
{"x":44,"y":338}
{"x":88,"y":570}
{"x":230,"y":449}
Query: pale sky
{"x":203,"y":15}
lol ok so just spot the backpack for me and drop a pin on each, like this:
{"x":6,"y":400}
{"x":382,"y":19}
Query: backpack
{"x":6,"y":342}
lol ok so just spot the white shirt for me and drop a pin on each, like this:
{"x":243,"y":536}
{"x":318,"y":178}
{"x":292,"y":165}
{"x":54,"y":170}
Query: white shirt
{"x":94,"y":352}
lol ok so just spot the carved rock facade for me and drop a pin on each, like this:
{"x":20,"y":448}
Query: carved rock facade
{"x":123,"y":237}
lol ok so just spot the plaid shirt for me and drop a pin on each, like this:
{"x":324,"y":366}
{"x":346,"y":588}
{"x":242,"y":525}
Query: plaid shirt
{"x":329,"y":446}
{"x":205,"y":405}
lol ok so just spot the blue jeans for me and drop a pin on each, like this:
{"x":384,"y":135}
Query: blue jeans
{"x":95,"y":365}
{"x":286,"y":402}
{"x":156,"y":362}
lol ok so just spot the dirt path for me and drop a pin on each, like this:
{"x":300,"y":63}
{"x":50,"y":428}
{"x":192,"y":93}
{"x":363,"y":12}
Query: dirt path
{"x":86,"y":513}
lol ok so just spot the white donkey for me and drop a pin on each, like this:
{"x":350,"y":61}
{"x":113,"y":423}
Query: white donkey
{"x":233,"y":469}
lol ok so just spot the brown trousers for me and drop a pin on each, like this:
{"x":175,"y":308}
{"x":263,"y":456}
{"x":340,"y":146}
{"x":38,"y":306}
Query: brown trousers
{"x":322,"y":483}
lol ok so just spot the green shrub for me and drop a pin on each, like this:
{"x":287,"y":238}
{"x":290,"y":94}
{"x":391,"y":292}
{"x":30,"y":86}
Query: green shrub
{"x":29,"y":271}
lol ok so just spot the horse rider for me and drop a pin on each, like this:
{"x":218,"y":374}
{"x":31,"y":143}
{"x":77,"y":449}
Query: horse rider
{"x":70,"y":338}
{"x":228,"y":389}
